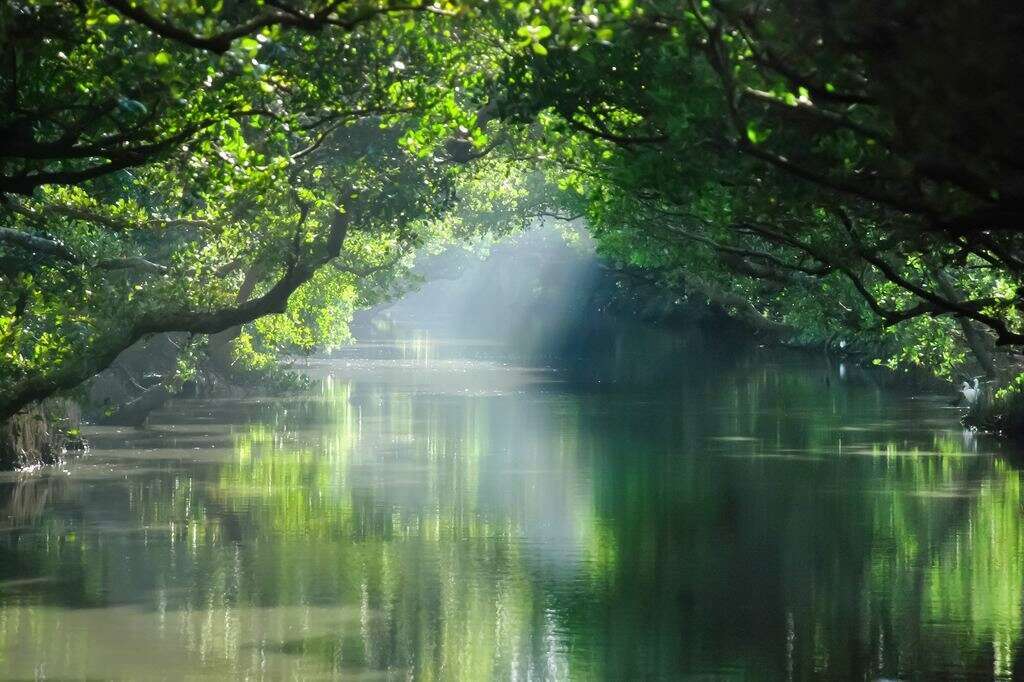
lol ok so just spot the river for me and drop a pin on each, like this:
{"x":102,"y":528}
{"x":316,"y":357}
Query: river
{"x":654,"y":505}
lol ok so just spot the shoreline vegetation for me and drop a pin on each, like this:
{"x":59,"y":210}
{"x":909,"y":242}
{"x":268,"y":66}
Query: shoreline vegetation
{"x":191,"y":190}
{"x":50,"y":433}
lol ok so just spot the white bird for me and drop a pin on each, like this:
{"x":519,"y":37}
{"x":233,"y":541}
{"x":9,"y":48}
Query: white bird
{"x":971,"y":393}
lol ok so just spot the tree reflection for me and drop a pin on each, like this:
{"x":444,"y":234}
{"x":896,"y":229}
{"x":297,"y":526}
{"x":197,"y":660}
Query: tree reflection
{"x":743,"y":526}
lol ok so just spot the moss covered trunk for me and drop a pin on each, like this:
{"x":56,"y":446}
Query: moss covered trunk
{"x":38,"y":434}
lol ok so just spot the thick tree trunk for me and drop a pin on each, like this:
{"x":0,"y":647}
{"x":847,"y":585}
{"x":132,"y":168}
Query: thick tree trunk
{"x":977,"y":342}
{"x":36,"y":435}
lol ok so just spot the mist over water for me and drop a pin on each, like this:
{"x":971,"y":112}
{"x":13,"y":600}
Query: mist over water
{"x":503,"y":481}
{"x":526,"y":292}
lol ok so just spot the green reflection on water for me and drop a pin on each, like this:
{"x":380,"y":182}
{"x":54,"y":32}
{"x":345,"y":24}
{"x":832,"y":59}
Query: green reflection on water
{"x":753,"y":522}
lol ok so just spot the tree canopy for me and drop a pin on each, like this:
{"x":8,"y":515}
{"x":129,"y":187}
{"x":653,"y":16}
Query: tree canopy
{"x":843,"y":170}
{"x":195,"y":166}
{"x":839,"y":169}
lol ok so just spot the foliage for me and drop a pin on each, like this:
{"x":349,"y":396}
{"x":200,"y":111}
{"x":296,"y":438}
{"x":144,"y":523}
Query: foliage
{"x":1005,"y":413}
{"x":835,"y":172}
{"x":193,"y":166}
{"x":801,"y":164}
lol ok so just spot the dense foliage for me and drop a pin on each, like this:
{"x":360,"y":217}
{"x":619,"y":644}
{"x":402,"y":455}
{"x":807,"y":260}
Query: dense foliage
{"x":842,"y":170}
{"x":837,"y":171}
{"x":191,"y":167}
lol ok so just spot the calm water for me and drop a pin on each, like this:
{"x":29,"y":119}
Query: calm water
{"x":661,"y":508}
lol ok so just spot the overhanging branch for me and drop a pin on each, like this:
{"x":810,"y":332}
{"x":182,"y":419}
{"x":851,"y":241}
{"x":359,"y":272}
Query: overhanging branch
{"x":53,"y":248}
{"x":275,"y":300}
{"x":220,"y":43}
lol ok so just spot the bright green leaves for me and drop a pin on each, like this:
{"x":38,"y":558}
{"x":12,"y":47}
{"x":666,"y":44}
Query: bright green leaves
{"x":628,"y":113}
{"x":234,"y":163}
{"x":713,"y":168}
{"x":533,"y":36}
{"x":317,"y":316}
{"x":250,"y":45}
{"x":755,"y":133}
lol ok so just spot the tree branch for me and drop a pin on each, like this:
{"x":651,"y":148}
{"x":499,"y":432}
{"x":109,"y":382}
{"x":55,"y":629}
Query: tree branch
{"x":807,"y":109}
{"x":70,"y":374}
{"x":220,"y":43}
{"x":54,"y":248}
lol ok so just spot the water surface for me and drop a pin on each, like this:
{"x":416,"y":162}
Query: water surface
{"x":658,"y":507}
